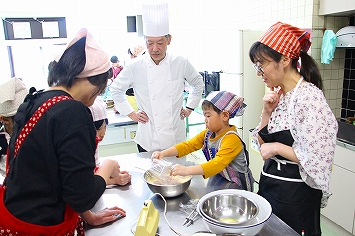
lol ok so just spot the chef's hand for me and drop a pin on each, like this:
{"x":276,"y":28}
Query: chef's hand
{"x":185,"y":112}
{"x":157,"y":155}
{"x":122,"y":179}
{"x":139,"y":116}
{"x":103,"y":216}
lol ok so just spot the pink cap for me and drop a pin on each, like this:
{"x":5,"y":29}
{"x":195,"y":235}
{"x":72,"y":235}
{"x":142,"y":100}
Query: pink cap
{"x":97,"y":60}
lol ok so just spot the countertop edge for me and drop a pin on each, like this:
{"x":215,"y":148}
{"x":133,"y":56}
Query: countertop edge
{"x":116,"y":124}
{"x":345,"y":144}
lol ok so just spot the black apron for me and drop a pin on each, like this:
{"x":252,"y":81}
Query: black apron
{"x":292,"y":200}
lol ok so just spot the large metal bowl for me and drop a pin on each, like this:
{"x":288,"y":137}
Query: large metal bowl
{"x":229,"y":209}
{"x":177,"y":187}
{"x":249,"y":228}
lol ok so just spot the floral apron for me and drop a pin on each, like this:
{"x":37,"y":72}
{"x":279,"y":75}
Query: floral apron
{"x":9,"y":224}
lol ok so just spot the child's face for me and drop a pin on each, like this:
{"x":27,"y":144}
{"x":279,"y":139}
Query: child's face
{"x":100,"y":133}
{"x":213,"y":120}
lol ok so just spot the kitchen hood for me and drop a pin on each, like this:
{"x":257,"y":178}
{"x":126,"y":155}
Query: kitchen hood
{"x":346,"y":37}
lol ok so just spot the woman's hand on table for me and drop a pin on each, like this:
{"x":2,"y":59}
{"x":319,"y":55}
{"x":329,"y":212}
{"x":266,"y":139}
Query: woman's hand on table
{"x":104,"y":216}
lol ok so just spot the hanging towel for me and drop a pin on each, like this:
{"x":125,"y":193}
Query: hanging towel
{"x":328,"y":46}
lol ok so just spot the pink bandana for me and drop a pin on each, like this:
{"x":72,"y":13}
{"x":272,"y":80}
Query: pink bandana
{"x":97,"y":60}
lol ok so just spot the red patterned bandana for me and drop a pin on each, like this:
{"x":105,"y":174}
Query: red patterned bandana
{"x":286,"y":39}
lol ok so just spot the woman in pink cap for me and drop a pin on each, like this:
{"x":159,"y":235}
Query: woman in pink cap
{"x":50,"y":178}
{"x":297,"y":131}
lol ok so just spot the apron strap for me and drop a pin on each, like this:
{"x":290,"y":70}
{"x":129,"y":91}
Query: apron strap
{"x":34,"y":119}
{"x":71,"y":218}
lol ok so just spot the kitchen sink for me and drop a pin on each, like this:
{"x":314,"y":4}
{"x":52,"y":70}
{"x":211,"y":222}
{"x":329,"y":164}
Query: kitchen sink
{"x":346,"y":132}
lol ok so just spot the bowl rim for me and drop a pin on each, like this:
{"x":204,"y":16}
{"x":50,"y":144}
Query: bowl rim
{"x":163,"y":185}
{"x":232,"y":224}
{"x":262,"y":200}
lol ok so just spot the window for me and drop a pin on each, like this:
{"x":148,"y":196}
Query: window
{"x":34,"y":28}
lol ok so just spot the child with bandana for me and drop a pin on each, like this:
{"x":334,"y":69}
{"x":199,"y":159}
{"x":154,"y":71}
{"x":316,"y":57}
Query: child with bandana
{"x":99,"y":116}
{"x":297,"y":132}
{"x":224,"y":150}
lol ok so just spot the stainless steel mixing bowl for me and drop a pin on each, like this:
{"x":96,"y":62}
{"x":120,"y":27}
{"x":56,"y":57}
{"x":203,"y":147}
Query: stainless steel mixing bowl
{"x":174,"y":187}
{"x":229,"y":209}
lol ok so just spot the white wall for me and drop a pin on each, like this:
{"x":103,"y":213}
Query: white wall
{"x":205,"y":31}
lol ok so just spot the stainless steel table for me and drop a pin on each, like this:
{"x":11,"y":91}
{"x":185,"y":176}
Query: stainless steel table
{"x":132,"y":197}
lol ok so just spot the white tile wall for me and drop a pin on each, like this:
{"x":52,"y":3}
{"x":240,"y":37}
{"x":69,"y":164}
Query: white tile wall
{"x":205,"y":31}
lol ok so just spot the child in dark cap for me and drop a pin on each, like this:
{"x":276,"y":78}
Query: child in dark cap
{"x":224,"y":150}
{"x":116,"y":67}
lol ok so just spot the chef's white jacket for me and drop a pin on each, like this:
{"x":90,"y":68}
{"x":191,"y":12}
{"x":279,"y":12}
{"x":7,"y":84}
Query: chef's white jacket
{"x":159,"y":93}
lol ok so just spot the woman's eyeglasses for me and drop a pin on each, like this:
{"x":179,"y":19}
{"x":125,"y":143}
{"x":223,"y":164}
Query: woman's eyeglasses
{"x":259,"y":68}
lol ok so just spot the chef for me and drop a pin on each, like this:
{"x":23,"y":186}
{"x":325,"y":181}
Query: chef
{"x":158,"y":81}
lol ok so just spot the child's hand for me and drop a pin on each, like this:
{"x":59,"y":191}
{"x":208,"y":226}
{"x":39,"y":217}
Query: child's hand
{"x":122,"y":179}
{"x":157,"y":155}
{"x":179,"y":170}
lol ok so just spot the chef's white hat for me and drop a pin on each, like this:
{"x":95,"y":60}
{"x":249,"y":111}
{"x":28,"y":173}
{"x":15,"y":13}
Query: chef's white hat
{"x":12,"y":94}
{"x":155,"y":19}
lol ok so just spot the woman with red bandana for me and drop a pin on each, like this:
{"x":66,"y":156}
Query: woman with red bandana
{"x":297,"y":131}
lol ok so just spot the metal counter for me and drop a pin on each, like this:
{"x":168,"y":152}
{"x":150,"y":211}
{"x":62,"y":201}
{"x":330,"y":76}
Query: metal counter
{"x":117,"y":119}
{"x":132,"y":196}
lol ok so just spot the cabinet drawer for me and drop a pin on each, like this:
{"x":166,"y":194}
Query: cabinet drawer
{"x":341,"y":205}
{"x":113,"y":135}
{"x":345,"y":158}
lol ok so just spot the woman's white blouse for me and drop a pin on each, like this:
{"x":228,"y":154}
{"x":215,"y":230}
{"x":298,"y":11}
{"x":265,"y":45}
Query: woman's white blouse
{"x":314,"y":129}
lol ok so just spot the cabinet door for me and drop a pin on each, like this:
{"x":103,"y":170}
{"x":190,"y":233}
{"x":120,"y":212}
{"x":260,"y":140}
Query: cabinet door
{"x":131,"y":131}
{"x":341,"y":205}
{"x":329,"y":7}
{"x":114,"y":134}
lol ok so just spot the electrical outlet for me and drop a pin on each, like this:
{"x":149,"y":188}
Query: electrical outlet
{"x":133,"y":134}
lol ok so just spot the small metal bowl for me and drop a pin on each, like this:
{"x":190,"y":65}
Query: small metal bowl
{"x":229,"y":209}
{"x":178,"y":185}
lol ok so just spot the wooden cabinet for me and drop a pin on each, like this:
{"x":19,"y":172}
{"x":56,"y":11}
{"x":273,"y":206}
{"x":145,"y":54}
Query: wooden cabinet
{"x":333,"y":7}
{"x":119,"y":134}
{"x":341,"y":205}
